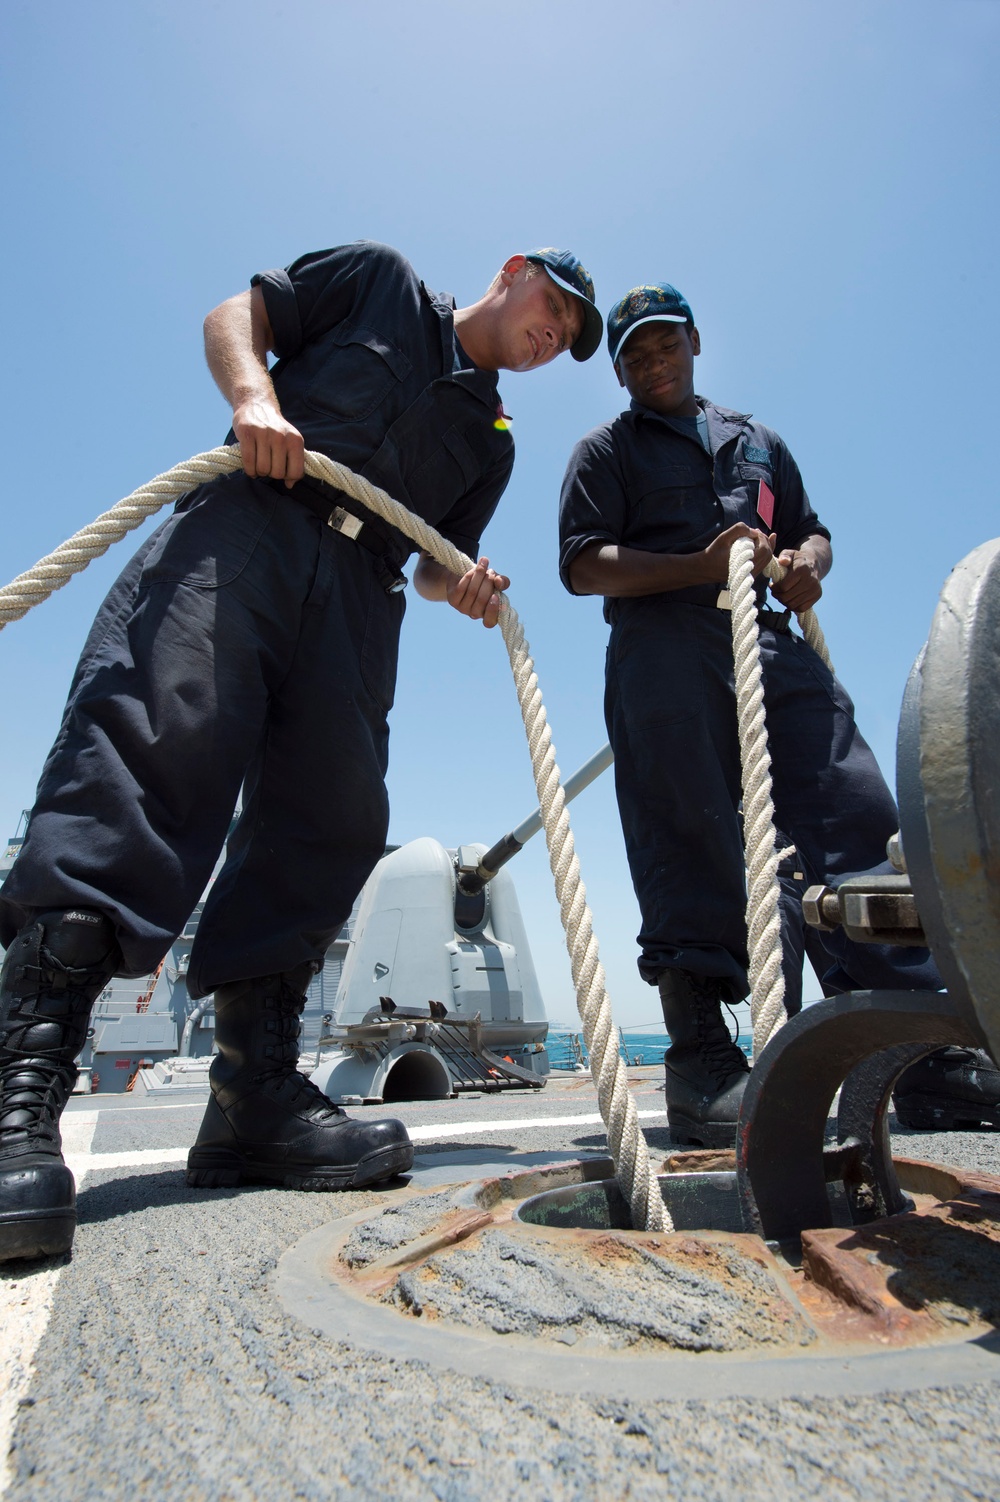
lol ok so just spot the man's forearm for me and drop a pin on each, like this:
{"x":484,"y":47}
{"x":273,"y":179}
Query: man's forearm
{"x":619,"y":572}
{"x":476,"y":593}
{"x":431,"y":579}
{"x":237,"y":339}
{"x":819,"y":552}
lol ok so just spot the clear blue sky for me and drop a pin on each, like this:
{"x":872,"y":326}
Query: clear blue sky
{"x":820,"y":181}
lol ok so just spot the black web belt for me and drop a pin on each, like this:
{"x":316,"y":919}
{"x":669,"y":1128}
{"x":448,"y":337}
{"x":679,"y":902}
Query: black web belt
{"x":774,"y":620}
{"x":710,"y":595}
{"x":351,"y":519}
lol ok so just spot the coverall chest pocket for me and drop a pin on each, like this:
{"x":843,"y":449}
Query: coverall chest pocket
{"x":446,"y":474}
{"x":754,"y":472}
{"x":753,"y":476}
{"x":356,"y":369}
{"x":672,"y":495}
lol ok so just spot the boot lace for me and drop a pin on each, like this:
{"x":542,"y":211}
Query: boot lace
{"x":32,"y":1094}
{"x":722,"y":1054}
{"x":282,"y":1073}
{"x":35,"y":1081}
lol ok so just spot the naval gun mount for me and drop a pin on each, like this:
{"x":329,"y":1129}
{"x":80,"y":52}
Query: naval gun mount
{"x":445,"y":925}
{"x":438,"y":993}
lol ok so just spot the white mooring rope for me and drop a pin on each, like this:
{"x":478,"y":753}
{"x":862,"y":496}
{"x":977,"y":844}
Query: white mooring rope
{"x":625,"y":1139}
{"x":767,"y":983}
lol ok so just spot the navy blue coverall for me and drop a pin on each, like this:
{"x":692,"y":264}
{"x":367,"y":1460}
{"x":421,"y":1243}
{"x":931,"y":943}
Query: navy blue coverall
{"x":247,"y":643}
{"x":645,"y":481}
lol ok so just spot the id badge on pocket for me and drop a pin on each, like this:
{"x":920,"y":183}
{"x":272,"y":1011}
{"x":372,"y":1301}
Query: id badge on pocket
{"x":765,"y":504}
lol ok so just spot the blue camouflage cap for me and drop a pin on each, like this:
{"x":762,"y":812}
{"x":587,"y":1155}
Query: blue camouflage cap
{"x":571,"y":274}
{"x":654,"y":302}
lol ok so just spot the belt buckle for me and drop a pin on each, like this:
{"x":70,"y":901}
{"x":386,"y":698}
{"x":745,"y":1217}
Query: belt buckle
{"x":344,"y":522}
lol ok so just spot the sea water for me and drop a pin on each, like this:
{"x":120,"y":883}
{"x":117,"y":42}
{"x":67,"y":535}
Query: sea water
{"x":567,"y":1049}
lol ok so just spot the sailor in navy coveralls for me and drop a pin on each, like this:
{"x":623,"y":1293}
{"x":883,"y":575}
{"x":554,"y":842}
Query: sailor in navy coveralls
{"x":251,"y":643}
{"x":651,"y":505}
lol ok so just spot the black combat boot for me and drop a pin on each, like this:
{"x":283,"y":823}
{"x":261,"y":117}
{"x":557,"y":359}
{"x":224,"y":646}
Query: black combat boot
{"x":706,"y":1072}
{"x":266,"y":1123}
{"x":952,"y":1089}
{"x":54,"y":971}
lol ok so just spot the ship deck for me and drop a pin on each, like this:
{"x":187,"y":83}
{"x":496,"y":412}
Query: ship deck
{"x":158,"y":1357}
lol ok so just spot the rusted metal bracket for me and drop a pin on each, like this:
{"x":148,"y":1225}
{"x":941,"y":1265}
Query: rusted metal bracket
{"x":870,"y":1183}
{"x":780,"y":1165}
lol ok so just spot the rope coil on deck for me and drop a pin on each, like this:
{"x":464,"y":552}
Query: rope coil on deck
{"x":617,"y":1105}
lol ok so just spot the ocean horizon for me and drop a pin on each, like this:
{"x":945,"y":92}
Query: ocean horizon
{"x":566,"y":1047}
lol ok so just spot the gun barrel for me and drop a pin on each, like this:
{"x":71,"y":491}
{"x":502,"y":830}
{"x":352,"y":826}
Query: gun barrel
{"x":506,"y":848}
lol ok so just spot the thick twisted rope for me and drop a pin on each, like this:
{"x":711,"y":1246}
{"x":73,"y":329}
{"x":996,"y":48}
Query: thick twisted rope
{"x":808,"y":623}
{"x":617,"y":1105}
{"x":53,"y":571}
{"x":767,"y":982}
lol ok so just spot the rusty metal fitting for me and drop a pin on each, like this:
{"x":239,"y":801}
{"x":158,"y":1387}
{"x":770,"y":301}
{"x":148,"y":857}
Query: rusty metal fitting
{"x":870,"y":909}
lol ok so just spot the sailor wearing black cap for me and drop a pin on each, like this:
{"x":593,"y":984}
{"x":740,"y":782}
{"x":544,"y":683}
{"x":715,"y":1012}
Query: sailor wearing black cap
{"x":651,"y":505}
{"x":251,"y":643}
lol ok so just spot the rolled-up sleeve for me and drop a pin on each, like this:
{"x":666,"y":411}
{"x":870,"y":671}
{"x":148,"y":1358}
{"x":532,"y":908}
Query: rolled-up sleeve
{"x":593,"y":504}
{"x":313,"y":294}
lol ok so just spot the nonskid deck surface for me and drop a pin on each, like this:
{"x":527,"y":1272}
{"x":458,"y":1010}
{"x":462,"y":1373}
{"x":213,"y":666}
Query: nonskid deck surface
{"x":159,"y":1355}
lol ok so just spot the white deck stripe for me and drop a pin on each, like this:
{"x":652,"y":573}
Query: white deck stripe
{"x":160,"y":1105}
{"x":459,"y":1128}
{"x":139,"y":1158}
{"x":26,"y":1296}
{"x":82,"y":1162}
